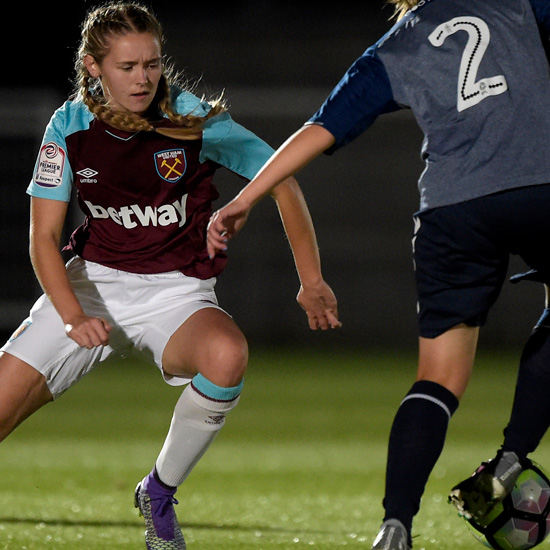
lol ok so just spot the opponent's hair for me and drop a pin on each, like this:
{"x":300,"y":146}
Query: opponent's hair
{"x":116,"y":19}
{"x":402,"y":6}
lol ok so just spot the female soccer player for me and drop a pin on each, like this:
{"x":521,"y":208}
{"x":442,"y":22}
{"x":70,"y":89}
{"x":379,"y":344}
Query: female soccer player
{"x":476,"y":77}
{"x":141,"y":153}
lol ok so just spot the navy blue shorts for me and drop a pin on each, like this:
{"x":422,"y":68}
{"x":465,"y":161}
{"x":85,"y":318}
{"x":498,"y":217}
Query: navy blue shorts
{"x":461,"y":254}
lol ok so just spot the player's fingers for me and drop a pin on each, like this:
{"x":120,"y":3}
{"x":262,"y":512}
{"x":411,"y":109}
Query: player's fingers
{"x":97,"y":332}
{"x":210,"y":247}
{"x":216,"y":236}
{"x":95,"y":339}
{"x":332,"y":319}
{"x":313,"y":320}
{"x":216,"y":226}
{"x":103,"y":332}
{"x":216,"y":244}
{"x":75,"y":335}
{"x":93,"y":332}
{"x":106,"y":325}
{"x":324,"y":320}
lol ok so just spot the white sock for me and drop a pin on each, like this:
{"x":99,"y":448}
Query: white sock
{"x":196,"y":421}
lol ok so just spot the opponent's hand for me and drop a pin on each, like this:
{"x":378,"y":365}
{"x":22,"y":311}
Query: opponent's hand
{"x":89,"y":332}
{"x":320,"y":305}
{"x":224,"y":224}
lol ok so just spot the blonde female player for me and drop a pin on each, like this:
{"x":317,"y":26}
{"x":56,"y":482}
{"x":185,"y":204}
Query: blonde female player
{"x":475,"y":75}
{"x":141,"y":154}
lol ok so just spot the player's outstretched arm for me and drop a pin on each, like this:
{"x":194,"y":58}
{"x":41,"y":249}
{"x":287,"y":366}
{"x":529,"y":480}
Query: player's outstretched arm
{"x":298,"y":151}
{"x":315,"y":296}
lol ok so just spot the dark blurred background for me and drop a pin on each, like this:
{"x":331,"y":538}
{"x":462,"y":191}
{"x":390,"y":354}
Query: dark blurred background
{"x":275,"y":63}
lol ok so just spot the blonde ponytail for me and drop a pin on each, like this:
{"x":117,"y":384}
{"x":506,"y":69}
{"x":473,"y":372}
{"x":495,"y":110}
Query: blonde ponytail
{"x":402,"y":6}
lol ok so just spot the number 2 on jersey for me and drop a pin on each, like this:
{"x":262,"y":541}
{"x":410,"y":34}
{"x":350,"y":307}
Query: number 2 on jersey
{"x":470,"y":91}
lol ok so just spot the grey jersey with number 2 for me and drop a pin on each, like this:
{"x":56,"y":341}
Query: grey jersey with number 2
{"x":476,"y":77}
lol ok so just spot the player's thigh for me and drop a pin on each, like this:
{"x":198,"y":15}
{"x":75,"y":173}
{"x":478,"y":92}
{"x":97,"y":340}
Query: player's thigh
{"x":23,"y":390}
{"x":208,"y":342}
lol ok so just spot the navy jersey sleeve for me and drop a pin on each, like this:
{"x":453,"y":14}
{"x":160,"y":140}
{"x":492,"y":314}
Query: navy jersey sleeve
{"x":542,"y":13}
{"x":358,"y":99}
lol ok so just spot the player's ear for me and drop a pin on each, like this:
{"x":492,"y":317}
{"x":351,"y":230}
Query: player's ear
{"x":92,"y":66}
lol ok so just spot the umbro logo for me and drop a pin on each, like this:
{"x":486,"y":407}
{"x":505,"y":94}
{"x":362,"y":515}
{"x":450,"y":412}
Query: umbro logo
{"x":217,"y":419}
{"x":87,"y":175}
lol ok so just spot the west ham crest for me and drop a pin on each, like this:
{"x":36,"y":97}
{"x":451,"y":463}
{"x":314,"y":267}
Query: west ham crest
{"x":171,"y":164}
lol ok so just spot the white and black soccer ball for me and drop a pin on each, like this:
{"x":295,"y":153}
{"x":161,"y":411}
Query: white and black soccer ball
{"x":522,"y":520}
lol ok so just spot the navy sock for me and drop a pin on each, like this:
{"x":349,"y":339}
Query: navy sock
{"x":416,"y":441}
{"x":531,"y":408}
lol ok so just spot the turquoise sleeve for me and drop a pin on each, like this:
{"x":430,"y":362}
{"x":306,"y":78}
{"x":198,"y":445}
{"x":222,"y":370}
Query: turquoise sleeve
{"x":234,"y":147}
{"x":224,"y":141}
{"x":52,"y":176}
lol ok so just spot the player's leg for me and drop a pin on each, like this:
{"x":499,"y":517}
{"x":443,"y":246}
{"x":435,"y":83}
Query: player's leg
{"x":477,"y":495}
{"x":209,"y":345}
{"x":530,"y":415}
{"x":525,"y":230}
{"x":23,"y":390}
{"x":38,"y":363}
{"x":420,"y":426}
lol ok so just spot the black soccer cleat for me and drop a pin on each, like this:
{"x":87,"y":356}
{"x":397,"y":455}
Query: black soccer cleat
{"x":476,"y":496}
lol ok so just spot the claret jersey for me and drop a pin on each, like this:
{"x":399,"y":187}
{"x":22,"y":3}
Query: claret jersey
{"x":146,"y":198}
{"x":476,"y":77}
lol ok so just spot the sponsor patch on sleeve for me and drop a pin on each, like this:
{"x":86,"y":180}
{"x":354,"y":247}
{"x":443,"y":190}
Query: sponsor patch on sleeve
{"x":51,"y":163}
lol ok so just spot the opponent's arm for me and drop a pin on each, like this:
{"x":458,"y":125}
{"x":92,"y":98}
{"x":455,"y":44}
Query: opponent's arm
{"x":47,"y":219}
{"x":298,"y":151}
{"x":315,"y":296}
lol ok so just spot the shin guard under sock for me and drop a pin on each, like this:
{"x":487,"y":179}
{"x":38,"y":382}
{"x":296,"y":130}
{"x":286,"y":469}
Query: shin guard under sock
{"x":198,"y":417}
{"x":416,"y":441}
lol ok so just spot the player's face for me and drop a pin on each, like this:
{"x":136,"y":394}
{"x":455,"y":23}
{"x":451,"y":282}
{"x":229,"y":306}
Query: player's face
{"x":130,"y":72}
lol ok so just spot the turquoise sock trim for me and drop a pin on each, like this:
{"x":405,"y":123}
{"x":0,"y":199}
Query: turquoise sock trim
{"x":212,"y":391}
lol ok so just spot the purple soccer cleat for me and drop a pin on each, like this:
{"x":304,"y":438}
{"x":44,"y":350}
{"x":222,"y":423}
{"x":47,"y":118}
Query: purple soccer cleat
{"x":156,"y":506}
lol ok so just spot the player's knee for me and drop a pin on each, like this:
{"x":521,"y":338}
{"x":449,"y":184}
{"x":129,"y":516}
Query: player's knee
{"x":228,"y":360}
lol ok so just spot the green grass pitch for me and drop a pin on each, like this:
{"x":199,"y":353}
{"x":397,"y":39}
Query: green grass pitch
{"x":300,"y":463}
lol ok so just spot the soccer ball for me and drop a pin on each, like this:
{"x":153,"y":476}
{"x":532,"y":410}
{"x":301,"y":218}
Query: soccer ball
{"x":521,"y":521}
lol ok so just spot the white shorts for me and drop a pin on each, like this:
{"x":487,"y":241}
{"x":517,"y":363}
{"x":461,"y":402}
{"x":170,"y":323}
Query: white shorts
{"x":144,"y":311}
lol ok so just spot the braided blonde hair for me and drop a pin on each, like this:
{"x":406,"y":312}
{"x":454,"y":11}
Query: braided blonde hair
{"x":117,"y":19}
{"x":402,"y":6}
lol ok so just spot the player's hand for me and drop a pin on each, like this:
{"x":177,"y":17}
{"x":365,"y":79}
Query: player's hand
{"x":320,"y":306}
{"x":224,"y":224}
{"x":88,"y":332}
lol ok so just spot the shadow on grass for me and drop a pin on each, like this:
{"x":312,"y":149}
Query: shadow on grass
{"x":140,"y":525}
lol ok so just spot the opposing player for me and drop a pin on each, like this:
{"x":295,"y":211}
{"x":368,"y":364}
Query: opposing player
{"x":476,"y":77}
{"x":141,"y":153}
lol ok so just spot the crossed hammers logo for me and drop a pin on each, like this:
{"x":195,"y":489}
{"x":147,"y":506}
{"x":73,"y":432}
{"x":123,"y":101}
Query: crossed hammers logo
{"x":171,"y":168}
